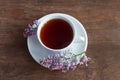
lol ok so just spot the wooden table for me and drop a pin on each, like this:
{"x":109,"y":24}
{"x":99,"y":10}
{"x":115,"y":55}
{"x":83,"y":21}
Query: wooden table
{"x":101,"y":19}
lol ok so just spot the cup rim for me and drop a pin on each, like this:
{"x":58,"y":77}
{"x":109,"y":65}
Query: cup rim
{"x":45,"y":20}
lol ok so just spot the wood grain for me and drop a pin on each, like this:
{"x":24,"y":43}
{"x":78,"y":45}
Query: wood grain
{"x":101,"y":19}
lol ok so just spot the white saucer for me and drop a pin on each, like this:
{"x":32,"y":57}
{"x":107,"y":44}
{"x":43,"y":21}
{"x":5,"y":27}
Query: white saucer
{"x":38,"y":52}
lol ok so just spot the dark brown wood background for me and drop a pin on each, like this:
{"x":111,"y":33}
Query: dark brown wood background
{"x":101,"y":19}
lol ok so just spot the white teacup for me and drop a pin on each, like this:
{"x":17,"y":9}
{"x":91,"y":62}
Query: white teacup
{"x":51,"y":17}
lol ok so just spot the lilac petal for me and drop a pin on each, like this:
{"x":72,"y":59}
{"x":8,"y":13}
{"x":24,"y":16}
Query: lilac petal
{"x":65,"y":67}
{"x":73,"y":67}
{"x":29,"y":26}
{"x":81,"y":63}
{"x":35,"y":22}
{"x":85,"y":60}
{"x":68,"y":66}
{"x":27,"y":30}
{"x":54,"y":68}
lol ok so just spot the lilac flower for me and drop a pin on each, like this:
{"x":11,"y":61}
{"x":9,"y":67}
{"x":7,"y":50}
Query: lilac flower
{"x":63,"y":62}
{"x":30,"y":30}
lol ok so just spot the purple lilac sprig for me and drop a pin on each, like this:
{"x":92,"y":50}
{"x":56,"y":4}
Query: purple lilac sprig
{"x":30,"y":29}
{"x":64,"y":61}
